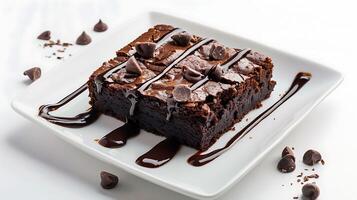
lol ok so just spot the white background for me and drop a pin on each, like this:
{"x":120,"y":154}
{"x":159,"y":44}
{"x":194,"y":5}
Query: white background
{"x":34,"y":164}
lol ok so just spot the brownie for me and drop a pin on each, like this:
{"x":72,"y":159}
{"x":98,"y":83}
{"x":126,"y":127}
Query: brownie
{"x":172,"y":83}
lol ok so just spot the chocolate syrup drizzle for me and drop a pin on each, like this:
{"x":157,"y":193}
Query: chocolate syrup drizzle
{"x":159,"y":155}
{"x":118,"y":137}
{"x":80,"y":120}
{"x":201,"y":158}
{"x":131,"y":95}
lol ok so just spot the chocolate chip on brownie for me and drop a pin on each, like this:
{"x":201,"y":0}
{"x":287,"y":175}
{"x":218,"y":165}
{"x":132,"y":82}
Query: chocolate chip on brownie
{"x":182,"y":39}
{"x":218,"y":52}
{"x":312,"y":157}
{"x":108,"y":180}
{"x":191,"y":75}
{"x":132,"y":66}
{"x":181,"y":93}
{"x":145,"y":49}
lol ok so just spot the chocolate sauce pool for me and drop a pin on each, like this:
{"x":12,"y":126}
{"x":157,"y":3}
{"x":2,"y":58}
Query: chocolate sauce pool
{"x":80,"y":120}
{"x":201,"y":158}
{"x":118,"y":137}
{"x":159,"y":154}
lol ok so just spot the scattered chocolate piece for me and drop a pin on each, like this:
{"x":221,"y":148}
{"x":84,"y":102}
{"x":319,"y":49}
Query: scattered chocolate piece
{"x":310,"y":191}
{"x":181,"y":93}
{"x":287,"y":151}
{"x":66,"y":44}
{"x":191,"y":75}
{"x":287,"y":164}
{"x":306,"y":179}
{"x":218,"y":51}
{"x":300,"y":175}
{"x":322,"y":162}
{"x":108,"y":180}
{"x":46,"y":35}
{"x":59,"y":57}
{"x":182,"y":39}
{"x":295,"y":197}
{"x":100,"y":26}
{"x":33,"y":73}
{"x":132,"y":66}
{"x":145,"y":49}
{"x":83,"y":39}
{"x":311,"y":157}
{"x":217,"y":73}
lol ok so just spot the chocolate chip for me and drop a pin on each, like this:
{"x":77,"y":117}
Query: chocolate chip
{"x":132,"y":66}
{"x":100,"y":26}
{"x":287,"y":164}
{"x":83,"y":39}
{"x":310,"y":191}
{"x":182,"y":39}
{"x":287,"y":151}
{"x":191,"y":75}
{"x":181,"y":93}
{"x":218,"y":52}
{"x":33,"y":73}
{"x":145,"y":49}
{"x":46,"y":35}
{"x":108,"y":180}
{"x":216,"y":73}
{"x":311,"y":157}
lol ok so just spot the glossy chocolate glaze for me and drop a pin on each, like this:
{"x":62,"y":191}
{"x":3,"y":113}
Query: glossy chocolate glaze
{"x":80,"y":120}
{"x":118,"y":137}
{"x":160,"y":154}
{"x":201,"y":158}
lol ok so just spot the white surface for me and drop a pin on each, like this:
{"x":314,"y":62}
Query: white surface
{"x":197,"y":182}
{"x":37,"y":165}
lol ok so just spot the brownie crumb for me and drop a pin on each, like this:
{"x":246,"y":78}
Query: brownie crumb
{"x":296,"y":197}
{"x":108,"y":180}
{"x":46,"y":35}
{"x":322,"y":162}
{"x":300,"y":175}
{"x":33,"y":73}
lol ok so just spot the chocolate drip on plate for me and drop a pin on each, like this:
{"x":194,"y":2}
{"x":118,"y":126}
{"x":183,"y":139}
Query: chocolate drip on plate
{"x":159,"y":155}
{"x":131,"y":94}
{"x":201,"y":158}
{"x":79,"y":120}
{"x":118,"y":137}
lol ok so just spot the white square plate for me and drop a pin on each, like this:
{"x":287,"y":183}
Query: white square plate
{"x":204,"y":182}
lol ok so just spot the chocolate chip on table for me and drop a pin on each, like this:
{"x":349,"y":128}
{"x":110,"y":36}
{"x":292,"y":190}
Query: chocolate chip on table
{"x":83,"y":39}
{"x":181,"y":93}
{"x":46,"y":35}
{"x":182,"y":39}
{"x":132,"y":66}
{"x":287,"y":151}
{"x":312,"y":157}
{"x":287,"y":164}
{"x":33,"y":73}
{"x":218,"y":52}
{"x":100,"y":26}
{"x":108,"y":180}
{"x":145,"y":49}
{"x":310,"y":191}
{"x":191,"y":75}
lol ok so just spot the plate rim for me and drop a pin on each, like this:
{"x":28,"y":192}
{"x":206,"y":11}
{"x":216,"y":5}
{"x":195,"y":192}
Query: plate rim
{"x":16,"y":105}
